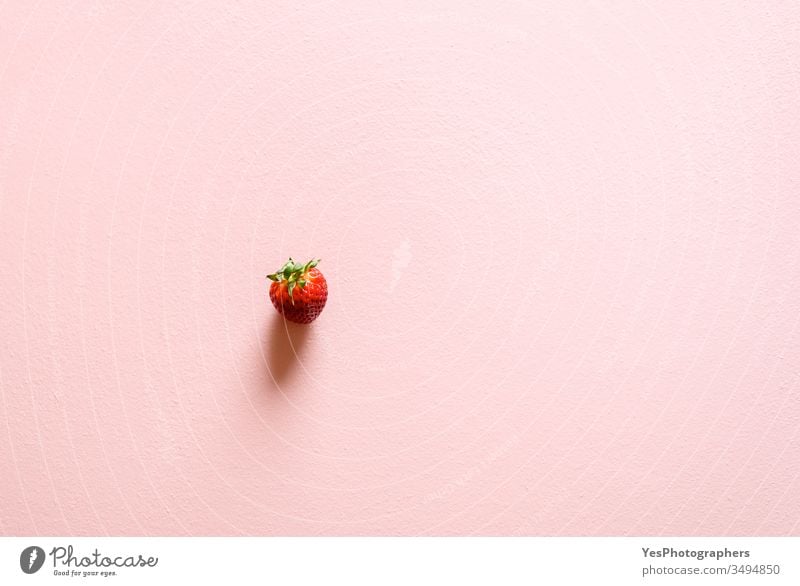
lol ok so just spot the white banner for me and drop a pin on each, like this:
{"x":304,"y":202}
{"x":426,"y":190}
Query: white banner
{"x":503,"y":561}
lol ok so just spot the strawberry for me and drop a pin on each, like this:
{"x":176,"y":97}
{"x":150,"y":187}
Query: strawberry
{"x":298,"y":291}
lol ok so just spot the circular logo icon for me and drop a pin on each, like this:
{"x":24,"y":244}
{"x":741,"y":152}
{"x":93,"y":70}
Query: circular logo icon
{"x":31,"y":559}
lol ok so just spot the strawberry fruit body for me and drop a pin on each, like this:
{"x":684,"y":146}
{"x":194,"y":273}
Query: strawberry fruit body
{"x":298,"y":291}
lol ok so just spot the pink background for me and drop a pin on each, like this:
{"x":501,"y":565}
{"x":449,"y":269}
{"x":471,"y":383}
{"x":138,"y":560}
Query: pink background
{"x":561,"y":241}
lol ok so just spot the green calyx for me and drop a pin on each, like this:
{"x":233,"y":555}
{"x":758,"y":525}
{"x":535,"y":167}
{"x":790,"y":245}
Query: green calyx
{"x":293,"y":274}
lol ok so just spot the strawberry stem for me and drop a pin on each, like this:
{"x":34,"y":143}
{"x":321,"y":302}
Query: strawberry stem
{"x":293,"y":274}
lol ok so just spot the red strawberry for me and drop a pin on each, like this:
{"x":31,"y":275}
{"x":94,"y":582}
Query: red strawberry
{"x":299,"y":292}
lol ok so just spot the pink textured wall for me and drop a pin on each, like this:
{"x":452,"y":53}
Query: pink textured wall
{"x":561,"y":241}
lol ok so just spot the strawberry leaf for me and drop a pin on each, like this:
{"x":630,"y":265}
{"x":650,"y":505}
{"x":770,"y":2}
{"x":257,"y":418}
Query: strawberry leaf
{"x":293,"y":274}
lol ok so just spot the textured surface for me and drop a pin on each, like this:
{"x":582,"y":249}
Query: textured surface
{"x":581,"y":223}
